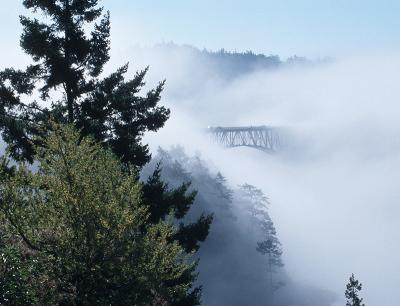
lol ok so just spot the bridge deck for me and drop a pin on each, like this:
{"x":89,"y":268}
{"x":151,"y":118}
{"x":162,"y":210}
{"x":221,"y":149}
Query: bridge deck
{"x":263,"y":137}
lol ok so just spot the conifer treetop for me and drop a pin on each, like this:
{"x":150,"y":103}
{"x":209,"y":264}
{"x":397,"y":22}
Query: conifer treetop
{"x":69,"y":42}
{"x":352,"y":292}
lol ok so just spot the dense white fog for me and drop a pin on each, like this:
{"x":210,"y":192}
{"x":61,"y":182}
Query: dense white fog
{"x":335,"y":189}
{"x":335,"y":192}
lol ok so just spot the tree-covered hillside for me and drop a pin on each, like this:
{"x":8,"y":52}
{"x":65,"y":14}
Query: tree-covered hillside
{"x":241,"y":262}
{"x":228,"y":64}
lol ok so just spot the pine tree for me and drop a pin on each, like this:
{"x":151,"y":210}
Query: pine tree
{"x":163,"y":200}
{"x":270,"y":246}
{"x":223,"y":191}
{"x":70,"y":46}
{"x":352,"y":292}
{"x":80,"y":217}
{"x":259,"y":202}
{"x":69,"y":43}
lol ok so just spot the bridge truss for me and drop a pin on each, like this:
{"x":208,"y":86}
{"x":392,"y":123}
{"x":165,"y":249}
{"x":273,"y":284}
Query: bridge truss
{"x":263,"y":138}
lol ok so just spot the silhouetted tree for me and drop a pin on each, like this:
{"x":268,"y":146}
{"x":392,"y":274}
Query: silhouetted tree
{"x":163,"y":200}
{"x":270,"y":245}
{"x":69,"y":43}
{"x":66,"y":76}
{"x":352,"y":292}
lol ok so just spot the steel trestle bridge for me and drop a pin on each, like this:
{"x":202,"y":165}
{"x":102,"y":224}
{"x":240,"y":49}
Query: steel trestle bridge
{"x":264,"y":138}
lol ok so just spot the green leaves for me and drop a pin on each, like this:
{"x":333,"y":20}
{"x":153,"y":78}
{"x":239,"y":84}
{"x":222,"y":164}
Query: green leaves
{"x":17,"y":285}
{"x":80,"y":210}
{"x":81,"y":217}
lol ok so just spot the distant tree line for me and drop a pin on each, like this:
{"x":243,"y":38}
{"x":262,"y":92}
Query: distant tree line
{"x":232,"y":64}
{"x":87,"y":217}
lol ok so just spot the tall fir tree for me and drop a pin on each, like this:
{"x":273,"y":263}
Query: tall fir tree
{"x":221,"y":186}
{"x":353,"y":289}
{"x":269,"y":246}
{"x":259,"y":201}
{"x":69,"y":43}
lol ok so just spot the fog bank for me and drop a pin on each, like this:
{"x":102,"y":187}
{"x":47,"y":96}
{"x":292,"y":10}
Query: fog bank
{"x":334,"y":194}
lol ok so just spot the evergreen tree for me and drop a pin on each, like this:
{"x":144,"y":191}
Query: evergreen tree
{"x":70,"y":46}
{"x":223,"y":191}
{"x":270,"y":245}
{"x":163,"y":200}
{"x":259,"y":202}
{"x":69,"y":43}
{"x":352,"y":292}
{"x":81,"y":218}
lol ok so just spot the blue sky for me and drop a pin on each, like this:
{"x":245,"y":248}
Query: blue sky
{"x":283,"y":27}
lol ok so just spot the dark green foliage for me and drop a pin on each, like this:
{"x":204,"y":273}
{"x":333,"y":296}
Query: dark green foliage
{"x":189,"y":235}
{"x":17,"y":278}
{"x":352,"y":292}
{"x":70,"y":46}
{"x":69,"y":43}
{"x":82,"y":219}
{"x":163,"y":200}
{"x":178,"y":200}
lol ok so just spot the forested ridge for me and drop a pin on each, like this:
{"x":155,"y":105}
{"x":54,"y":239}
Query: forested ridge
{"x":89,"y":217}
{"x":242,"y":260}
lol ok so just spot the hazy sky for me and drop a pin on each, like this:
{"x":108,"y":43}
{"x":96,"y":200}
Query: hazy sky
{"x":336,"y":208}
{"x":310,"y":28}
{"x":286,"y":27}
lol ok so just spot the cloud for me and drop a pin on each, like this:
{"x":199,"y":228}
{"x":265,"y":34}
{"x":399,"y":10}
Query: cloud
{"x":335,"y":196}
